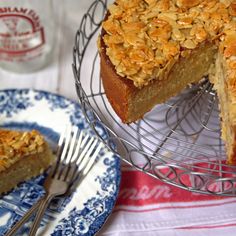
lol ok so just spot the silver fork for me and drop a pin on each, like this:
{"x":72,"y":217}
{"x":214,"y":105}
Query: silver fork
{"x":75,"y":158}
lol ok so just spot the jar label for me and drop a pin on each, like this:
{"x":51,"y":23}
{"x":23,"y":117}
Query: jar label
{"x":21,"y":34}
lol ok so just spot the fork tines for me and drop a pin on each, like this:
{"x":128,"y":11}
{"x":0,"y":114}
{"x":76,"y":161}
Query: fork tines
{"x":77,"y":150}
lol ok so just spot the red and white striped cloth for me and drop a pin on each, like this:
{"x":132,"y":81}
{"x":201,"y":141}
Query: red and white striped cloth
{"x":148,"y":206}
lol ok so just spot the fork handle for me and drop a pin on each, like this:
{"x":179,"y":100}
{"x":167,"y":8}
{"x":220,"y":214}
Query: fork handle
{"x":24,"y":218}
{"x":42,"y":207}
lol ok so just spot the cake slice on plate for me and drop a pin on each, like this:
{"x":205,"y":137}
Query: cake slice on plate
{"x":23,"y":155}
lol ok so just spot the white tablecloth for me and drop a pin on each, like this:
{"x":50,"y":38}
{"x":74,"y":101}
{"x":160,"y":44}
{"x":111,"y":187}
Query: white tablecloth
{"x":145,"y":205}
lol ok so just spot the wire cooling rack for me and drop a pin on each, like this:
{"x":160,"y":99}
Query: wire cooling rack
{"x":177,"y":142}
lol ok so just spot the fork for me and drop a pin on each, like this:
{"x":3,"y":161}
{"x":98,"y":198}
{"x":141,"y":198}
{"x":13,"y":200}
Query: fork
{"x":75,"y":158}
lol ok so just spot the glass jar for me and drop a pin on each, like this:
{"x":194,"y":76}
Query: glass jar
{"x":27,"y":34}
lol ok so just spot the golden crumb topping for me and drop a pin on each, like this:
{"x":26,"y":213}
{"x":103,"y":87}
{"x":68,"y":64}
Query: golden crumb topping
{"x":144,"y":36}
{"x":14,"y":145}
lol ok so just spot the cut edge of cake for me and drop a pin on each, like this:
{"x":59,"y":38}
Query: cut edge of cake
{"x":225,"y":94}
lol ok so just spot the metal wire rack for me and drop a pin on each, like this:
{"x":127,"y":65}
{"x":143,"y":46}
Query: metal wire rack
{"x":177,"y":142}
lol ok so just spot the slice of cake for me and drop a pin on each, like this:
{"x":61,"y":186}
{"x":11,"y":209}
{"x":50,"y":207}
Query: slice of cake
{"x":150,"y":50}
{"x":23,"y":155}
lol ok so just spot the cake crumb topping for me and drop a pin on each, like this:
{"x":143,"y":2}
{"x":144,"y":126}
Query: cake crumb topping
{"x":144,"y":37}
{"x":15,"y":144}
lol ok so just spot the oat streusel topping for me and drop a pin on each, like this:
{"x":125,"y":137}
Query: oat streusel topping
{"x":144,"y":36}
{"x":14,"y":145}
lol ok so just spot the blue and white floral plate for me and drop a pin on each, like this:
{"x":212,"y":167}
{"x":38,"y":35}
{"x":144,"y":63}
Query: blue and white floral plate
{"x":85,"y":211}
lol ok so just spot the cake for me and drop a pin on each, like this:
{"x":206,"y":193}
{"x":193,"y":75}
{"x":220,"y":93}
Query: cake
{"x":151,"y":50}
{"x":23,"y":155}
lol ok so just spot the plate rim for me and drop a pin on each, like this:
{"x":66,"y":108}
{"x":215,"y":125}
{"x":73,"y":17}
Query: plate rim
{"x":117,"y":159}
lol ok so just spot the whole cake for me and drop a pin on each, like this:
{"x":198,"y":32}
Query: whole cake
{"x":23,"y":155}
{"x":150,"y":50}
